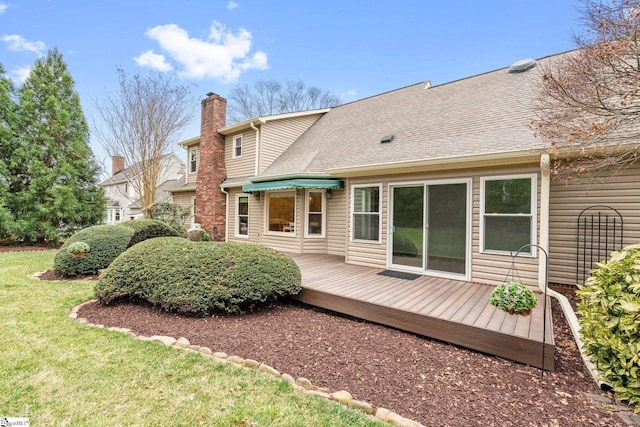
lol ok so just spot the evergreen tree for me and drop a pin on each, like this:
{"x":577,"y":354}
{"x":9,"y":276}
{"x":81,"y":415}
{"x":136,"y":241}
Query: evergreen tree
{"x":7,"y":146}
{"x":55,"y":183}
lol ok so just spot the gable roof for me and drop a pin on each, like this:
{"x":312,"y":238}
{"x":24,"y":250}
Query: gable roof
{"x":487,"y":115}
{"x":126,"y":174}
{"x":237,"y":127}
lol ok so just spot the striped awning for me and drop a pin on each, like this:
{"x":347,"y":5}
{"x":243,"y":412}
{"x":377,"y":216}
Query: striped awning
{"x":287,"y":184}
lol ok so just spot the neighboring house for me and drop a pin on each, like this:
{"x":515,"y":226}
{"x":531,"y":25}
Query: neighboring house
{"x":444,"y":180}
{"x":123,"y":201}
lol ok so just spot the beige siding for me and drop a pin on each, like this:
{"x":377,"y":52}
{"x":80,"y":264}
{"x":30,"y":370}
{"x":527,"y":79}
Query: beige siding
{"x":191,"y":178}
{"x":232,"y":219}
{"x":337,"y":218}
{"x":567,"y":201}
{"x":278,"y":135}
{"x":485,"y":268}
{"x":185,"y":202}
{"x":245,"y":164}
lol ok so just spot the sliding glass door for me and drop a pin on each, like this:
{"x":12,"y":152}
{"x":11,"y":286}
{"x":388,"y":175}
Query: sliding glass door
{"x":429,"y":227}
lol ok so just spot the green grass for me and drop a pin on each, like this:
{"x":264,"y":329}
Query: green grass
{"x":58,"y":372}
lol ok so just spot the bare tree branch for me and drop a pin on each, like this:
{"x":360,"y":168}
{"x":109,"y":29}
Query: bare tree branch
{"x":142,"y":123}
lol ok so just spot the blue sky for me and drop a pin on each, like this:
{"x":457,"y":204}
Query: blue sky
{"x":353,"y":48}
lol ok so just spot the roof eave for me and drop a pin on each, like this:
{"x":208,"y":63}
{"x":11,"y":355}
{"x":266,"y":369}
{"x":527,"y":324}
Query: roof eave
{"x":228,"y":130}
{"x":440,"y":163}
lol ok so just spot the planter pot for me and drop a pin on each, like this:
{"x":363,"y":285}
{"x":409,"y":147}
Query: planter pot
{"x":520,"y":313}
{"x":78,"y":254}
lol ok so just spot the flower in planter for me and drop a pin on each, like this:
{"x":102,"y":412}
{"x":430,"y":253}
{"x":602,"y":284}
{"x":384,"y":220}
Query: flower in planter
{"x":514,"y":298}
{"x":78,"y":249}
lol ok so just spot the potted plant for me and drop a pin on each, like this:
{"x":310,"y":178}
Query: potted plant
{"x":78,"y":249}
{"x":514,"y":298}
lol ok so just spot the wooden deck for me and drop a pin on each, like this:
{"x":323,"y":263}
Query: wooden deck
{"x":448,"y":310}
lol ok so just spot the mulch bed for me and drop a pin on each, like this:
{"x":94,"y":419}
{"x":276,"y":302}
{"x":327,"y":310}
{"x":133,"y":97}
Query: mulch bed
{"x":432,"y":382}
{"x":24,"y":248}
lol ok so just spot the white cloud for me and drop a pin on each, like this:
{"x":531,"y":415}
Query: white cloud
{"x":349,"y":94}
{"x":19,"y":75}
{"x":223,"y":55}
{"x":153,"y":60}
{"x":3,"y":8}
{"x":232,"y":5}
{"x":19,"y":43}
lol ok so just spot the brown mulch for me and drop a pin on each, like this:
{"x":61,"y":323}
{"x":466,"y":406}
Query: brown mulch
{"x":24,"y":248}
{"x":429,"y":381}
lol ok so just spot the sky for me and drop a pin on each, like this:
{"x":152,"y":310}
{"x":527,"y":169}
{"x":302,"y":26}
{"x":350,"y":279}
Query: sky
{"x":353,"y":48}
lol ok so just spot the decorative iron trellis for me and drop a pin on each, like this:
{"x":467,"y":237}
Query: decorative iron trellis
{"x":600,"y":229}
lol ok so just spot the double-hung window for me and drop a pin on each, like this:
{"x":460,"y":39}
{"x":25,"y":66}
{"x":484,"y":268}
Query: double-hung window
{"x":193,"y":160}
{"x":365,"y":203}
{"x":242,"y":209}
{"x":237,"y":146}
{"x":315,"y":213}
{"x":508,"y":207}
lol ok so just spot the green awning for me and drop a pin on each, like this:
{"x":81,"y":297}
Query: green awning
{"x":287,"y":184}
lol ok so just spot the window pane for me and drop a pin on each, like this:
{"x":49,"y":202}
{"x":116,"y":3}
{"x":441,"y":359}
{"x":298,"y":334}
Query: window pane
{"x":315,"y":202}
{"x":506,"y":233}
{"x":243,"y":205}
{"x":366,"y":226}
{"x":508,"y":196}
{"x":243,"y":227}
{"x":281,"y":212}
{"x":366,"y":199}
{"x":315,"y":224}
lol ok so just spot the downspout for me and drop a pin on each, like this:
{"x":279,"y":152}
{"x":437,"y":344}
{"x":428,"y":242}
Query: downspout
{"x":226,"y":213}
{"x":257,"y":170}
{"x":569,"y":314}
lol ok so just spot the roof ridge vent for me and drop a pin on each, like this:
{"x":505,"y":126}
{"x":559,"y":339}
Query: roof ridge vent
{"x":522,"y":65}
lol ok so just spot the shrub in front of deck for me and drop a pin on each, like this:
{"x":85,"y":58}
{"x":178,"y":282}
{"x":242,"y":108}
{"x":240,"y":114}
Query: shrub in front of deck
{"x":145,"y":229}
{"x":609,"y":308}
{"x":199,"y":278}
{"x":106,"y":243}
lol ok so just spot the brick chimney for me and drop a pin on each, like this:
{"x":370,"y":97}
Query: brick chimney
{"x":117,"y":164}
{"x":210,"y":201}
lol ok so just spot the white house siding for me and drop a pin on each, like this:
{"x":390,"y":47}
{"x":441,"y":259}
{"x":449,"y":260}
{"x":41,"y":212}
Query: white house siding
{"x":621,"y":192}
{"x":277,"y":135}
{"x":245,"y":164}
{"x":337,"y":219}
{"x":485,"y":268}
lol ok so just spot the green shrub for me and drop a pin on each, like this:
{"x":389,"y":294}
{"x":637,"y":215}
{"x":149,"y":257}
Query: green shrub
{"x":199,"y":278}
{"x":79,"y":247}
{"x":609,"y":307}
{"x":513,"y":297}
{"x":106,"y":243}
{"x":144,"y":229}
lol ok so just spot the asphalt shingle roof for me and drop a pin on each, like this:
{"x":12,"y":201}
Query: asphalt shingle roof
{"x":484,"y":114}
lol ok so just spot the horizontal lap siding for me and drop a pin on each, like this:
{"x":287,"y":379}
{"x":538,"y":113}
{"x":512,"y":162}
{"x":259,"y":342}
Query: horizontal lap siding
{"x":485,"y":268}
{"x":495,"y":268}
{"x":567,"y":201}
{"x":254,"y":217}
{"x":245,"y":164}
{"x":278,"y":135}
{"x":184,"y":200}
{"x":337,"y":236}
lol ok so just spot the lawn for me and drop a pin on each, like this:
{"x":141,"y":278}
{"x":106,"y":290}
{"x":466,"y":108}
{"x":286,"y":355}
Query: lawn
{"x":56,"y":371}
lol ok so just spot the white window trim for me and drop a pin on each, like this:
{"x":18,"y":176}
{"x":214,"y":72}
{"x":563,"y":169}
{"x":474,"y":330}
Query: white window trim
{"x":237,"y":216}
{"x":192,"y":150}
{"x":235,"y":137}
{"x":295,"y":214}
{"x":352,"y":213}
{"x":533,"y":215}
{"x":323,"y":224}
{"x":193,"y":210}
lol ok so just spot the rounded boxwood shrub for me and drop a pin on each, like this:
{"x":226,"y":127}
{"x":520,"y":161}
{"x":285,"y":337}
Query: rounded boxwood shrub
{"x":106,"y":243}
{"x":144,"y":229}
{"x":199,"y":278}
{"x":609,"y":307}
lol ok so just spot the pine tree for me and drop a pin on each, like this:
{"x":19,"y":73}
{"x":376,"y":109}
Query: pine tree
{"x":55,"y":183}
{"x":7,"y":146}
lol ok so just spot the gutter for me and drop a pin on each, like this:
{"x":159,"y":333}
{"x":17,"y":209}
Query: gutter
{"x":226,"y":213}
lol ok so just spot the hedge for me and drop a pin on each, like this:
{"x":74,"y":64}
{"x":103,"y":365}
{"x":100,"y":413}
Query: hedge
{"x":609,"y":310}
{"x":144,"y":229}
{"x":199,"y":278}
{"x":106,"y":242}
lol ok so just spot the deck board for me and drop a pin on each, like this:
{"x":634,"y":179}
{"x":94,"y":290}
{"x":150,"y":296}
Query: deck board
{"x":445,"y":309}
